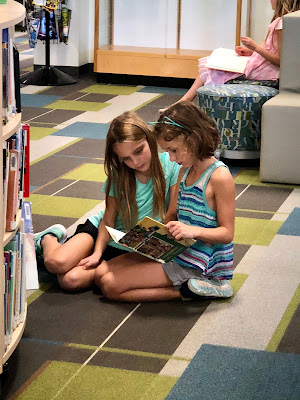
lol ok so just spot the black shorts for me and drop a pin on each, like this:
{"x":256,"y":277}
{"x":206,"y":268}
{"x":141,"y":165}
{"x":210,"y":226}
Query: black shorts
{"x":110,"y":251}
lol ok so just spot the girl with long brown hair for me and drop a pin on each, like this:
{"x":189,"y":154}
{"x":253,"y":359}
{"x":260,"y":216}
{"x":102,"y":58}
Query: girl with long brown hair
{"x":140,"y":182}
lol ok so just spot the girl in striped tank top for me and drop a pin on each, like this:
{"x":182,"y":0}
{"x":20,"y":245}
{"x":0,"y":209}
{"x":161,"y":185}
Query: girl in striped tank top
{"x":205,"y":206}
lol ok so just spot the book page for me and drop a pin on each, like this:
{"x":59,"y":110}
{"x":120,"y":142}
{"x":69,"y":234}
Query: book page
{"x":115,"y":234}
{"x":152,"y":239}
{"x":227,"y":60}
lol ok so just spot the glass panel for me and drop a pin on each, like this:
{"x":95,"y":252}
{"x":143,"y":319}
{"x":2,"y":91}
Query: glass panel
{"x":104,"y":22}
{"x":206,"y":25}
{"x":145,"y":23}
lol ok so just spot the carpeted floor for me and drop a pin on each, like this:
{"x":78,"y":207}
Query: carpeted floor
{"x":81,"y":346}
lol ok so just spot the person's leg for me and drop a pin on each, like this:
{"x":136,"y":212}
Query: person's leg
{"x":134,"y":278}
{"x":77,"y":279}
{"x":192,"y":92}
{"x":60,"y":259}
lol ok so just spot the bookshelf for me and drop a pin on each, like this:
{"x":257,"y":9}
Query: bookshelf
{"x":172,"y":61}
{"x":11,"y":13}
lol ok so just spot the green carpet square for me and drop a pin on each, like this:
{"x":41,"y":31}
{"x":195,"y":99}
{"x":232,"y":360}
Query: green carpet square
{"x":61,"y":206}
{"x":253,"y":231}
{"x":37,"y":132}
{"x":87,"y":172}
{"x":251,"y":177}
{"x":111,"y":89}
{"x":76,"y":105}
{"x":92,"y":382}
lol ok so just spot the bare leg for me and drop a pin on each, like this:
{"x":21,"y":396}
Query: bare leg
{"x":134,"y":278}
{"x":192,"y":92}
{"x":77,"y":278}
{"x":63,"y":260}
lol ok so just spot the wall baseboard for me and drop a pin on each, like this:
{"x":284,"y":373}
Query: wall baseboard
{"x":144,"y":80}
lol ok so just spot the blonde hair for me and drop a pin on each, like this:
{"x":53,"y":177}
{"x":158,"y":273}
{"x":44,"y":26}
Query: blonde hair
{"x":199,"y":131}
{"x":130,"y":127}
{"x":285,"y":7}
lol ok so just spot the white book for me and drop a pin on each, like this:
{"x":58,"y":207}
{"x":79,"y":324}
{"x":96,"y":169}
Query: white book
{"x":227,"y":60}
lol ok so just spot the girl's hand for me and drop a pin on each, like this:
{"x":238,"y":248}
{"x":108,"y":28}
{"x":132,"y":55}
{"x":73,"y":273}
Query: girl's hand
{"x":243,"y":51}
{"x":89,"y":262}
{"x":179,"y":230}
{"x":249,"y":43}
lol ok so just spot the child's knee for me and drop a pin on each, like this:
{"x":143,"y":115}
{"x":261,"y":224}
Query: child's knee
{"x":55,"y":263}
{"x":100,"y":271}
{"x":109,"y":287}
{"x":70,"y":281}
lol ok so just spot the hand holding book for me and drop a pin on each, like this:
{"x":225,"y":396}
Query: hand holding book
{"x":151,"y":239}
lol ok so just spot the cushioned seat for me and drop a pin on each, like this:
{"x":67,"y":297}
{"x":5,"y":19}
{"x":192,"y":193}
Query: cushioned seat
{"x":236,"y":108}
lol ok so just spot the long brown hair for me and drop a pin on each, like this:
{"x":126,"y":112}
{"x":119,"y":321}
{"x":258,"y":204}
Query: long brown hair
{"x":285,"y":7}
{"x":199,"y":131}
{"x":130,"y":127}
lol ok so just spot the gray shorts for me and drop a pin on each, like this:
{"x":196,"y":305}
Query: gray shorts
{"x":179,"y":274}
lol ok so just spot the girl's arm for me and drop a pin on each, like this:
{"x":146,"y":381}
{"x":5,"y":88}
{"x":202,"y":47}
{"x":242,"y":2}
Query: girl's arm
{"x":171,"y":214}
{"x":223,"y":187}
{"x":274,"y":58}
{"x":103,"y":237}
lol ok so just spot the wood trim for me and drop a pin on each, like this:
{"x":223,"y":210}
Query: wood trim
{"x":249,"y":19}
{"x":178,"y":24}
{"x":96,"y":34}
{"x":111,"y":22}
{"x":238,"y":22}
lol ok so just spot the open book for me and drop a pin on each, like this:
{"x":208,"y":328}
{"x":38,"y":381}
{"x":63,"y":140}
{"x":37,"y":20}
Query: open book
{"x":151,"y":239}
{"x":227,"y":60}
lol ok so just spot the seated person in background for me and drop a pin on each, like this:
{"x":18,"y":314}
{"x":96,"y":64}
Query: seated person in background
{"x":264,"y":61}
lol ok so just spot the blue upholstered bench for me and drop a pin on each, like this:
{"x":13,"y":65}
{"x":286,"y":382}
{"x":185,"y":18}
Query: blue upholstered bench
{"x":236,"y":108}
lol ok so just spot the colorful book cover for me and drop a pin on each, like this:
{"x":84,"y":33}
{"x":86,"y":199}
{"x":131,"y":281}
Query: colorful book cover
{"x":151,"y":239}
{"x":31,"y":277}
{"x":12,"y":190}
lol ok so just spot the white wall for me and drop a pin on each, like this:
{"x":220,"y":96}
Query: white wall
{"x":80,"y":48}
{"x":205,"y":24}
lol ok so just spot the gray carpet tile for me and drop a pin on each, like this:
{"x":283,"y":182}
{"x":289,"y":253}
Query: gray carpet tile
{"x":52,"y":168}
{"x":239,"y":250}
{"x":91,"y":324}
{"x":148,"y":113}
{"x":31,"y":112}
{"x":239,"y":188}
{"x":68,"y":89}
{"x":80,"y":189}
{"x":71,"y":354}
{"x":57,"y":116}
{"x":128,"y":362}
{"x":290,"y":342}
{"x":158,"y":327}
{"x":165,"y":100}
{"x":93,"y":148}
{"x":84,"y":190}
{"x":98,"y":97}
{"x":41,"y":222}
{"x":250,"y":214}
{"x":263,"y":198}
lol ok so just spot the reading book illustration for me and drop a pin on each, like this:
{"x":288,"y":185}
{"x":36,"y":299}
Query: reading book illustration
{"x":152,"y":239}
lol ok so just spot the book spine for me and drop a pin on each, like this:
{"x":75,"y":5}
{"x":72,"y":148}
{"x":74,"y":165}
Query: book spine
{"x":26,"y":128}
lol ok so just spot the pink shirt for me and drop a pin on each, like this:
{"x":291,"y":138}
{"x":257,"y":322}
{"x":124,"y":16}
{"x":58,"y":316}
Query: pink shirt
{"x":257,"y":66}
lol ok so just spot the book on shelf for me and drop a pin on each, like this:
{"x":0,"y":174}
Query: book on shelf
{"x":8,"y":77}
{"x":17,"y":78}
{"x":151,"y":239}
{"x":12,"y":190}
{"x":26,"y":186}
{"x":227,"y":60}
{"x":32,"y":281}
{"x":14,"y":285}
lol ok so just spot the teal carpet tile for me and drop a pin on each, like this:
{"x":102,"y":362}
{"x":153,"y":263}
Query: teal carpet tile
{"x":223,"y":373}
{"x":33,"y":100}
{"x":87,"y":130}
{"x":292,"y":225}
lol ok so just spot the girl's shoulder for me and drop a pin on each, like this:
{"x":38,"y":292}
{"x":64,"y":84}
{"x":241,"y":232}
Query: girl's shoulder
{"x":276,"y":24}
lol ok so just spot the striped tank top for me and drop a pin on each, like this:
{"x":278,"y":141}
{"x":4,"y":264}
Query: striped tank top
{"x":215,"y":261}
